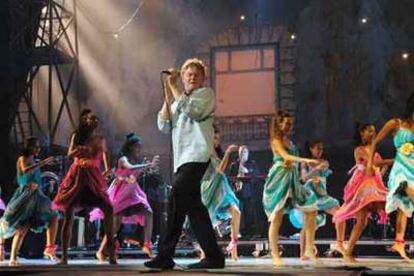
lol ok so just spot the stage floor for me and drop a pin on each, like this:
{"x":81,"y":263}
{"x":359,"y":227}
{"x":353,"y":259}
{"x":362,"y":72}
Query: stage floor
{"x":244,"y":266}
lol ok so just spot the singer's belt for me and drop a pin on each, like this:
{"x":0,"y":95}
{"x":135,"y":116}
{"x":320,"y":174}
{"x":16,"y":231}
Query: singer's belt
{"x":86,"y":162}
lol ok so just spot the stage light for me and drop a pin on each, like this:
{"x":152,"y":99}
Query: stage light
{"x":242,"y":17}
{"x":293,"y":36}
{"x":116,"y":36}
{"x":405,"y":55}
{"x":364,"y":20}
{"x":44,"y":10}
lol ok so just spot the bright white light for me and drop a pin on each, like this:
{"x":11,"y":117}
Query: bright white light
{"x":44,"y":10}
{"x":116,"y":36}
{"x":293,"y":36}
{"x":364,"y":20}
{"x":405,"y":56}
{"x":242,"y":17}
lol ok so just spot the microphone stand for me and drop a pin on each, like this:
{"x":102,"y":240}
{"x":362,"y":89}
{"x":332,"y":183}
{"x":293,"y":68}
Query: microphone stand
{"x":167,"y":189}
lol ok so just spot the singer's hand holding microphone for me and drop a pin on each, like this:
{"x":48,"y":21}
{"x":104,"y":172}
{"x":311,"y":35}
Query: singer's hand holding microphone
{"x":171,"y":87}
{"x":172,"y":74}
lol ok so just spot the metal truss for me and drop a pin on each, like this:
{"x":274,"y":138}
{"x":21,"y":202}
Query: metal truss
{"x":53,"y":25}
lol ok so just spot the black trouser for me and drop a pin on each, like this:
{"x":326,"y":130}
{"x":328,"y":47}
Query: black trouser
{"x":247,"y":216}
{"x":185,"y":199}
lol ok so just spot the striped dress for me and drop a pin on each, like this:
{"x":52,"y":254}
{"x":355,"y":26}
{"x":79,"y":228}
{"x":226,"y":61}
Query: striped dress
{"x":402,"y":171}
{"x":316,"y":183}
{"x":217,"y":194}
{"x":283,"y":190}
{"x":27,"y":208}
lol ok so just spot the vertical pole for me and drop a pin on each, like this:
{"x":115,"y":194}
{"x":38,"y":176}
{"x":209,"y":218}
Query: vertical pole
{"x":50,"y":82}
{"x":75,"y":22}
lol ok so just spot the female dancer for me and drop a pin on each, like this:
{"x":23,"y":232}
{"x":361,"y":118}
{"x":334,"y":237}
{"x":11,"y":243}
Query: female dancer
{"x":84,"y":185}
{"x":219,"y":198}
{"x":128,"y":199}
{"x":283,"y":189}
{"x":401,"y":180}
{"x":29,"y":208}
{"x":363,"y":193}
{"x":314,"y":177}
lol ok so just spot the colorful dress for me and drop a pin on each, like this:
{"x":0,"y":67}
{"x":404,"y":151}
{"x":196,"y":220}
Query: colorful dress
{"x":84,"y":186}
{"x":402,"y":171}
{"x":316,"y":183}
{"x":127,"y":198}
{"x":283,"y":190}
{"x":362,"y":190}
{"x":217,"y":194}
{"x":27,"y":208}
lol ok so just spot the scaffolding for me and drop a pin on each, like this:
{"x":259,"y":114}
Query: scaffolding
{"x":53,"y":24}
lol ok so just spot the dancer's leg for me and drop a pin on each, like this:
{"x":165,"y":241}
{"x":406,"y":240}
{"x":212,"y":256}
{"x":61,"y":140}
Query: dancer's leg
{"x":51,"y":238}
{"x":274,"y":237}
{"x":361,"y":223}
{"x":16,"y":244}
{"x":310,"y":227}
{"x":302,"y":240}
{"x":235,"y":228}
{"x":2,"y":251}
{"x":340,"y":228}
{"x":147,"y":248}
{"x":401,"y":225}
{"x":109,"y":230}
{"x":66,"y":234}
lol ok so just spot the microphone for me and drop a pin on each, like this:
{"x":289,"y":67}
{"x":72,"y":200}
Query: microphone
{"x":170,"y":71}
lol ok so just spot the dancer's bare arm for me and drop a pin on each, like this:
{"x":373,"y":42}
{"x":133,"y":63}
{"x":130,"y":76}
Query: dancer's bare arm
{"x":390,"y":126}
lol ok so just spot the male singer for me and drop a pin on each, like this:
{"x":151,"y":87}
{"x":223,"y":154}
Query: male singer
{"x":189,"y":116}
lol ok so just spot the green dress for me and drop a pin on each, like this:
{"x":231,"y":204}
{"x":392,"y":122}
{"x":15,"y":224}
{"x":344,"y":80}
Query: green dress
{"x":216,"y":193}
{"x":283,"y":190}
{"x":316,"y":183}
{"x":324,"y":201}
{"x":27,"y":208}
{"x":402,"y":171}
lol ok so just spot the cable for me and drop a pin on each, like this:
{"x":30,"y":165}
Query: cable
{"x":121,"y":28}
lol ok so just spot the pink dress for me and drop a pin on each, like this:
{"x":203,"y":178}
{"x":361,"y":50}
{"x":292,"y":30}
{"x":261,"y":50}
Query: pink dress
{"x":84,"y":186}
{"x":361,"y":191}
{"x":127,"y":197}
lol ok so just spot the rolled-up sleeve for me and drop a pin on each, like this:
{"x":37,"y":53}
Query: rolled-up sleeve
{"x":163,"y":125}
{"x":199,"y":105}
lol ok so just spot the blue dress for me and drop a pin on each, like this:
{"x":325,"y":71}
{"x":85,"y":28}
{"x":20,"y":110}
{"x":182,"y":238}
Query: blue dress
{"x":27,"y":208}
{"x":216,"y":193}
{"x":316,"y":183}
{"x":402,"y":171}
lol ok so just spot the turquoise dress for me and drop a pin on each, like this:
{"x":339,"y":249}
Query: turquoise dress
{"x":283,"y":190}
{"x":316,"y":183}
{"x":217,"y":194}
{"x":27,"y":208}
{"x":402,"y":171}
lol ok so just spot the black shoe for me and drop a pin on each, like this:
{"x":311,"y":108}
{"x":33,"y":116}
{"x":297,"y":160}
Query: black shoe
{"x":401,"y":188}
{"x":160,"y":263}
{"x":208,"y":263}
